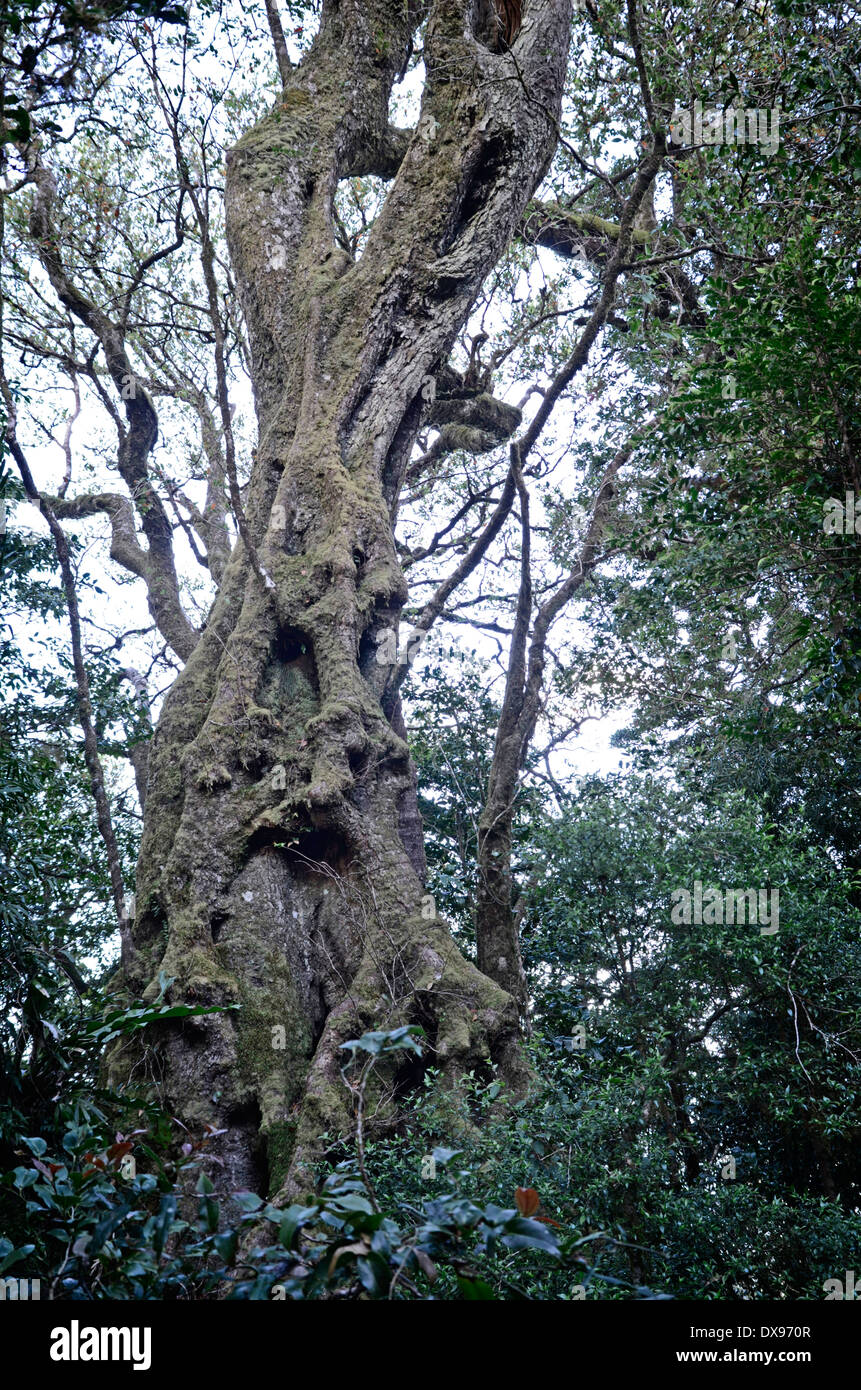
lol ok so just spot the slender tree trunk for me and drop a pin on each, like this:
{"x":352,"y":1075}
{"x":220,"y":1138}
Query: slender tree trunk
{"x":497,"y":928}
{"x":497,"y":931}
{"x":282,"y":866}
{"x":496,"y":923}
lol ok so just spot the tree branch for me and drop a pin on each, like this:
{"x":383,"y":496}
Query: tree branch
{"x":279,"y":43}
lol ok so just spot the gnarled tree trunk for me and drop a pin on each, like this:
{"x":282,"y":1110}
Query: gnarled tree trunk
{"x":282,"y":865}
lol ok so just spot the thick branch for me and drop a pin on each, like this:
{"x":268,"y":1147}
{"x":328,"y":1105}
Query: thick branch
{"x":125,"y":548}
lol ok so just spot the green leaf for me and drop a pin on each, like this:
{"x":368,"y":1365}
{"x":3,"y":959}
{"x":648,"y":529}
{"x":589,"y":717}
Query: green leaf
{"x":474,"y":1289}
{"x":248,"y":1201}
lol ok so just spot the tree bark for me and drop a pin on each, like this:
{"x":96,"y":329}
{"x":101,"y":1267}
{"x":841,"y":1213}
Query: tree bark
{"x":281,"y":867}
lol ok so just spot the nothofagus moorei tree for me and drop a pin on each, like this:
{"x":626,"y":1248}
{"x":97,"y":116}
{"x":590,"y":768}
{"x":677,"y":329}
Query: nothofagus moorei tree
{"x":300,"y":896}
{"x":282,"y":866}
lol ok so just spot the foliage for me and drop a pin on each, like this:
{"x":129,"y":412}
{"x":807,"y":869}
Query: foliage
{"x":94,"y":1229}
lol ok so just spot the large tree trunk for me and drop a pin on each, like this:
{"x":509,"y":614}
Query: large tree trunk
{"x":282,"y":864}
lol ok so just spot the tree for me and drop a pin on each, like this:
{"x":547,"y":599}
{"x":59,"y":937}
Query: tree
{"x":281,"y":865}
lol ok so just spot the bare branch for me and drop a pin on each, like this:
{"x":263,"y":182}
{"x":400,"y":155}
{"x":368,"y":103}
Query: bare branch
{"x":279,"y":43}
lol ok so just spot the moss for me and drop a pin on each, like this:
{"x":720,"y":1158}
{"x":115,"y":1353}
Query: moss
{"x":325,"y":1110}
{"x":269,"y":1000}
{"x":294,"y":100}
{"x":590,"y":222}
{"x":454,"y":1036}
{"x":211,"y":778}
{"x":197,"y":972}
{"x":280,"y":1139}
